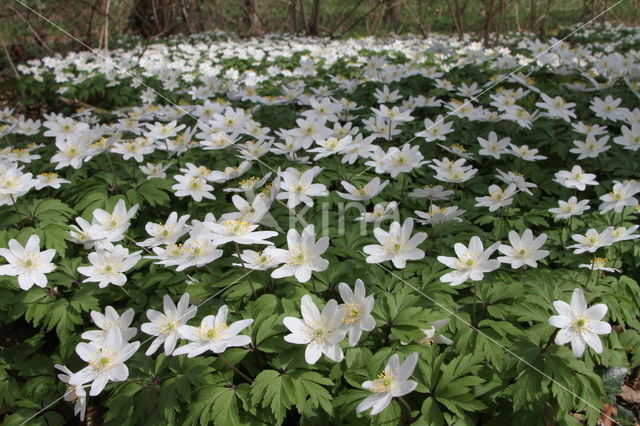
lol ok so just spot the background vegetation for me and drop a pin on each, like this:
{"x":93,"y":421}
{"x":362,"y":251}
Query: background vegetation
{"x":97,"y":23}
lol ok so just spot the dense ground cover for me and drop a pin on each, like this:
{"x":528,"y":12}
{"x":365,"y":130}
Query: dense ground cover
{"x":305,"y":231}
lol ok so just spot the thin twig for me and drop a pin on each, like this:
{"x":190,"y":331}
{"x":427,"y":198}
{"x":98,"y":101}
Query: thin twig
{"x":16,"y":74}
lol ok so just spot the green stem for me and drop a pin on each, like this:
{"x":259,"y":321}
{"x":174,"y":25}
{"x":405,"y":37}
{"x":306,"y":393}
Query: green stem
{"x":404,"y":182}
{"x":408,"y":407}
{"x":113,"y":170}
{"x":589,"y":278}
{"x":475,"y":301}
{"x":546,"y":346}
{"x":253,"y":291}
{"x":234,"y":368}
{"x":15,"y":206}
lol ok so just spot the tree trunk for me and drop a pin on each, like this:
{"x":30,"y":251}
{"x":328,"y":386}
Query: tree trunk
{"x":393,"y":11}
{"x":151,"y":18}
{"x":253,"y":24}
{"x":457,"y":11}
{"x":294,"y":16}
{"x":489,"y":12}
{"x":533,"y":17}
{"x":313,"y":19}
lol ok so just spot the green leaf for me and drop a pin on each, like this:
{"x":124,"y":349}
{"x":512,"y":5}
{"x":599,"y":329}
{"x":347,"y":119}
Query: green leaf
{"x":274,"y":390}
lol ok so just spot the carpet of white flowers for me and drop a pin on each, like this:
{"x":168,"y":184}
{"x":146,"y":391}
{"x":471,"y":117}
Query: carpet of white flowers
{"x":305,"y":231}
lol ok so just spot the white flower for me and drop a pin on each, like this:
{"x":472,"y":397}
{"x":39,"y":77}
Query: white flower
{"x":302,"y":255}
{"x":213,"y":334}
{"x":163,"y":131}
{"x":621,"y":233}
{"x":524,"y":250}
{"x":391,"y":383}
{"x":108,"y":265}
{"x":432,"y":193}
{"x":259,"y":260}
{"x":238,"y":231}
{"x":49,"y":179}
{"x":168,"y":233}
{"x":439,"y":214}
{"x":392,"y":114}
{"x":14,"y":184}
{"x":497,"y":197}
{"x":517,"y":179}
{"x":114,"y":224}
{"x":135,"y":148}
{"x":557,"y":107}
{"x":598,"y":264}
{"x":431,"y":335}
{"x":436,"y":130}
{"x":397,"y":245}
{"x":196,"y":251}
{"x":608,"y":109}
{"x":28,"y":263}
{"x":75,"y":394}
{"x":366,"y":192}
{"x":192,"y":186}
{"x":402,"y":160}
{"x":472,"y":262}
{"x":452,"y":171}
{"x":299,"y":188}
{"x":592,"y":240}
{"x":165,"y":325}
{"x":526,"y":153}
{"x":578,"y":324}
{"x":155,"y":170}
{"x":591,"y":148}
{"x":630,"y":138}
{"x":321,"y":332}
{"x":86,"y":233}
{"x":106,"y":361}
{"x":62,"y":128}
{"x":380,"y":212}
{"x":107,"y":321}
{"x":576,"y":178}
{"x":569,"y":208}
{"x":492,"y":146}
{"x":620,"y":197}
{"x":357,"y":307}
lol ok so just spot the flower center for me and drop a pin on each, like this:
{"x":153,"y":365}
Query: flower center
{"x":383,"y":383}
{"x":581,"y":323}
{"x":353,"y":312}
{"x":599,"y":262}
{"x":237,"y":227}
{"x":211,"y":333}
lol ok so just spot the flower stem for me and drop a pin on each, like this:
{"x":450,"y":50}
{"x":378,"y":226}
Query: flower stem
{"x":408,"y":407}
{"x":546,"y":346}
{"x":248,"y":273}
{"x":475,"y":301}
{"x":113,"y":170}
{"x":13,"y":201}
{"x":234,"y":368}
{"x":589,"y":278}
